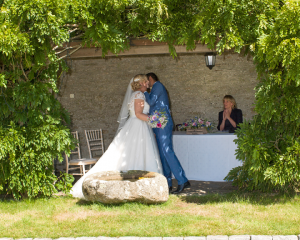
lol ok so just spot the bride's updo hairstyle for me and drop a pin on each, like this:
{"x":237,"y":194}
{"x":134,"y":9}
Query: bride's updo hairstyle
{"x":137,"y":80}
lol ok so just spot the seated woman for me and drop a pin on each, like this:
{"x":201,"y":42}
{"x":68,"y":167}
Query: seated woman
{"x":230,"y":117}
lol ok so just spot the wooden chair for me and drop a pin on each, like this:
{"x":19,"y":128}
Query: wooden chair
{"x":94,"y":140}
{"x":79,"y":162}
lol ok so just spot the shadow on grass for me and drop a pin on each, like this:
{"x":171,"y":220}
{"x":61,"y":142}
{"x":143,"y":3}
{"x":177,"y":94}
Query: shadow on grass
{"x":82,"y":202}
{"x":125,"y":205}
{"x":241,"y":197}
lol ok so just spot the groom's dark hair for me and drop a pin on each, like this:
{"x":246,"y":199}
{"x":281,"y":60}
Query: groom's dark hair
{"x":153,"y":75}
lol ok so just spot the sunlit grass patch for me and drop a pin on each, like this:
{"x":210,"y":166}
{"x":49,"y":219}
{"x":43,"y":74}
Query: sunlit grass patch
{"x":230,"y":214}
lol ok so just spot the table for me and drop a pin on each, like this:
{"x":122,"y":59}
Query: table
{"x":207,"y":157}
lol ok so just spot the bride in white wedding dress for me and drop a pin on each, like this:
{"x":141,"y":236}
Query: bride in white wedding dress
{"x":134,"y":146}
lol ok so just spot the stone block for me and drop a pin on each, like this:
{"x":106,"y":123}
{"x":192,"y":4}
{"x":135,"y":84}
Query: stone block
{"x":151,"y":238}
{"x":261,"y":237}
{"x":217,"y":237}
{"x":42,"y":239}
{"x":285,"y":237}
{"x":194,"y":238}
{"x":127,"y":186}
{"x":65,"y":238}
{"x":106,"y":238}
{"x":173,"y":238}
{"x":239,"y":237}
{"x":86,"y":238}
{"x":129,"y":238}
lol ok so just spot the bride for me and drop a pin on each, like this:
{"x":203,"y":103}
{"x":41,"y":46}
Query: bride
{"x":134,"y":146}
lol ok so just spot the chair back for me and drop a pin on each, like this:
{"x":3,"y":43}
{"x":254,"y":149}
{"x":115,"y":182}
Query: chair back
{"x":94,"y":140}
{"x":76,"y":150}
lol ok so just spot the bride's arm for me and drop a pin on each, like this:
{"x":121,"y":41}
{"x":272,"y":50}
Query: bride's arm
{"x":138,"y":108}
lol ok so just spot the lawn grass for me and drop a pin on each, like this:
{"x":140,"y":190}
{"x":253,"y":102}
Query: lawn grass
{"x":230,"y":214}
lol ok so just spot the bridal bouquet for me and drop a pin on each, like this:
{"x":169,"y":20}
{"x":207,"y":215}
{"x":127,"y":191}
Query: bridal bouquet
{"x":196,"y":122}
{"x":158,"y":120}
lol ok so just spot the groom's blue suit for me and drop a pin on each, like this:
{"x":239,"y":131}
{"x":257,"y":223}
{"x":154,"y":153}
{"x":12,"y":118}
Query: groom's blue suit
{"x":158,"y":100}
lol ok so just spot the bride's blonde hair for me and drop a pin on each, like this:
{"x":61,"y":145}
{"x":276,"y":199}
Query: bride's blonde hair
{"x":137,"y":80}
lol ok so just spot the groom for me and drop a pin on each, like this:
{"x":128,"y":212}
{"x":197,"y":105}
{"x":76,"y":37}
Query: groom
{"x":158,"y":100}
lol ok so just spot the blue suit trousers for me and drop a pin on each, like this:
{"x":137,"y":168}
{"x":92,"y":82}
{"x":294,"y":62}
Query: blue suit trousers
{"x":169,"y":161}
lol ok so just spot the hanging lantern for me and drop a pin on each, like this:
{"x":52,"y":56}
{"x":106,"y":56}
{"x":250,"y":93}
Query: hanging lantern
{"x":210,"y":59}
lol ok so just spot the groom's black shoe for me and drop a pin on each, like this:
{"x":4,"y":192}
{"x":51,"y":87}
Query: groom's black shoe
{"x":170,"y":189}
{"x":181,"y":187}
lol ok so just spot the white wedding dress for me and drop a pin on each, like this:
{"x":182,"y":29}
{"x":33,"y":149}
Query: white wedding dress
{"x":133,"y":148}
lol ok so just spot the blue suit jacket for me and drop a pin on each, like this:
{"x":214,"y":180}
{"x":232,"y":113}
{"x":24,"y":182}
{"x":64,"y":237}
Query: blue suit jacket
{"x":158,"y":99}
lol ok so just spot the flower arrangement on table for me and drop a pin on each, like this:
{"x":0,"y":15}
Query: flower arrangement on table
{"x":196,"y":122}
{"x":158,"y":119}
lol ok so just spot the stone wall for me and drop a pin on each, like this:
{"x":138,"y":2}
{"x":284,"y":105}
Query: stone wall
{"x":93,"y":90}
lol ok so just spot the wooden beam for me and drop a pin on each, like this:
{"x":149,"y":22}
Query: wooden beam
{"x":145,"y":42}
{"x":132,"y":42}
{"x":162,"y":48}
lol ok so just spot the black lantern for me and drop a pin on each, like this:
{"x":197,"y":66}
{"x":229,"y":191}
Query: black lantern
{"x":210,"y":59}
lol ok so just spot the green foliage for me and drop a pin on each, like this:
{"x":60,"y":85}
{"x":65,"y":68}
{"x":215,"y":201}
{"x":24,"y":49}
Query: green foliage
{"x":270,"y":160}
{"x":26,"y":157}
{"x":32,"y":130}
{"x":269,"y":145}
{"x":64,"y":182}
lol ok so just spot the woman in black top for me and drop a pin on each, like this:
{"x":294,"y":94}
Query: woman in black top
{"x":230,"y":117}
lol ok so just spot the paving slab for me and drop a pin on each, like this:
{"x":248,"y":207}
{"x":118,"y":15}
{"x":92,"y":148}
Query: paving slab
{"x":105,"y":238}
{"x":85,"y":238}
{"x":129,"y":238}
{"x":285,"y":237}
{"x":65,"y":238}
{"x":261,"y":237}
{"x":151,"y":238}
{"x":42,"y":239}
{"x":194,"y":238}
{"x":217,"y":237}
{"x":239,"y":237}
{"x":172,"y":238}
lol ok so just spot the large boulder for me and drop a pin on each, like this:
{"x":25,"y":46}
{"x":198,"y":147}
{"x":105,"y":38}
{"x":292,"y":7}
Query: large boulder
{"x":126,"y":186}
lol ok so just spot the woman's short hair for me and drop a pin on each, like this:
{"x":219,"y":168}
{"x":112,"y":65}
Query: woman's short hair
{"x":231,"y":99}
{"x":137,"y":80}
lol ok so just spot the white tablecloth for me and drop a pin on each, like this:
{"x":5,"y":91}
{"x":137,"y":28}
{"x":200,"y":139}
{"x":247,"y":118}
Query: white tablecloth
{"x":207,"y":157}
